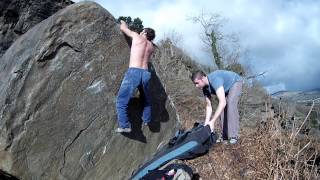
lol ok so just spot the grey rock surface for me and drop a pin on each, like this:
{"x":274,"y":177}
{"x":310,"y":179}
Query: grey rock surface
{"x":18,"y":16}
{"x":58,"y":87}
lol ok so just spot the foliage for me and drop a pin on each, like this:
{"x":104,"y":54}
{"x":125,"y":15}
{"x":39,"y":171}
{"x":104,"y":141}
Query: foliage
{"x":135,"y":25}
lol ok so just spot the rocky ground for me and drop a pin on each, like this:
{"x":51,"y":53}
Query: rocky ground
{"x":18,"y":16}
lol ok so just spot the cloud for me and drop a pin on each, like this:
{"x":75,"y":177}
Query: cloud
{"x":287,"y":46}
{"x":282,"y":36}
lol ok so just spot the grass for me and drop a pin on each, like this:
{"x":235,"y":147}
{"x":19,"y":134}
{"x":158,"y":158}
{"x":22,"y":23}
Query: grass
{"x":266,"y":151}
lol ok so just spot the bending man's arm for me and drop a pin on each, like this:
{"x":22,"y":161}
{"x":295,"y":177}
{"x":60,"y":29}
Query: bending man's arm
{"x":208,"y":110}
{"x":222,"y":104}
{"x":124,"y":28}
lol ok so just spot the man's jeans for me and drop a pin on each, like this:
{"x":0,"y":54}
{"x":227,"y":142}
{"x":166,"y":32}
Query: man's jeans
{"x":134,"y":78}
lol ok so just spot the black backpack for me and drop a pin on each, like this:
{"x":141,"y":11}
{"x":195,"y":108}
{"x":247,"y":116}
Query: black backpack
{"x":184,"y":145}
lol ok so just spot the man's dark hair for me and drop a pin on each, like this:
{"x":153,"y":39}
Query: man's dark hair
{"x":150,"y":33}
{"x":197,"y":74}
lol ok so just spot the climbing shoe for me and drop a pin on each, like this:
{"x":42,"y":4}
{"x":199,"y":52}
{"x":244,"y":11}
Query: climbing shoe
{"x":233,"y":140}
{"x":123,"y":130}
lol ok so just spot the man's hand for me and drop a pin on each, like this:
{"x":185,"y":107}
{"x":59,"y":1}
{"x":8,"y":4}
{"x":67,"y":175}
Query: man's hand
{"x":123,"y":25}
{"x":124,"y":28}
{"x":211,"y":124}
{"x":206,"y":123}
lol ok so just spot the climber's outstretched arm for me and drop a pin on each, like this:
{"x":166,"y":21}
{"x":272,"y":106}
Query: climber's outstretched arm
{"x":124,"y":28}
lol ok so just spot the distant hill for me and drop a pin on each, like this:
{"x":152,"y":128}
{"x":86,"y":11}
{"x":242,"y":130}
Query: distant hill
{"x":298,"y":96}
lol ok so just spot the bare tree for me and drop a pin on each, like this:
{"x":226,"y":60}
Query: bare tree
{"x":174,"y":36}
{"x":224,"y":47}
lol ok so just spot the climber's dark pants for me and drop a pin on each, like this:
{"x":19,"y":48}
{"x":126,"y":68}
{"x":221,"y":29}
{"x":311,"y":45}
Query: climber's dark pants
{"x":133,"y":78}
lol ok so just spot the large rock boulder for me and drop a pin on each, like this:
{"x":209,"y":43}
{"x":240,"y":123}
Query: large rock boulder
{"x":58,"y":86}
{"x":18,"y":16}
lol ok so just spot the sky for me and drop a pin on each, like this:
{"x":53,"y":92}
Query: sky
{"x":280,"y":37}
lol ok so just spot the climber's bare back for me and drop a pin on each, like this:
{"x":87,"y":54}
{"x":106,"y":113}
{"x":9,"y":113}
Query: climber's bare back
{"x":141,"y":50}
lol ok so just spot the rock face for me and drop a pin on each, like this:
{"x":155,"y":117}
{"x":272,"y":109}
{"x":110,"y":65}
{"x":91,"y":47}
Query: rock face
{"x":58,"y":86}
{"x":18,"y":16}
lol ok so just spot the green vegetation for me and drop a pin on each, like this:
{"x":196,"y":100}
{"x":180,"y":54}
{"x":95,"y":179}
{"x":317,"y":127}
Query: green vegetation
{"x":135,"y":25}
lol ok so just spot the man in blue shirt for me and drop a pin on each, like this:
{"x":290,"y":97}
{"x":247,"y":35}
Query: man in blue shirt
{"x":227,"y":86}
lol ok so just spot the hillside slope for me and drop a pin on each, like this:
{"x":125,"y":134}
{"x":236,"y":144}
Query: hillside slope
{"x":267,"y":149}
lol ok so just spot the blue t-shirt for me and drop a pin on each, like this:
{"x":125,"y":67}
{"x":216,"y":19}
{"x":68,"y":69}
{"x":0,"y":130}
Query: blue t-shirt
{"x":220,"y":78}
